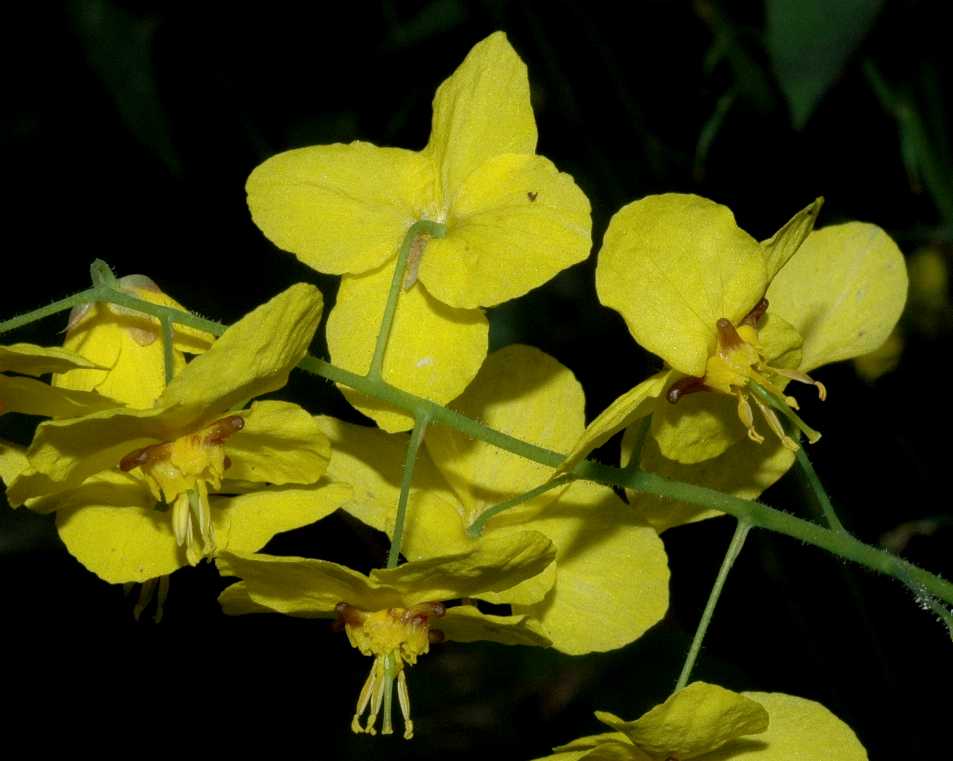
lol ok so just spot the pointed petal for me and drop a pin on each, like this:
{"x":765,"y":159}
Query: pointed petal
{"x":434,"y":350}
{"x":623,"y":412}
{"x":34,"y":397}
{"x":785,"y":242}
{"x":844,"y":292}
{"x":672,"y":266}
{"x":30,"y":359}
{"x":481,"y":111}
{"x":515,"y":223}
{"x":246,"y":523}
{"x":464,"y":623}
{"x":252,"y":357}
{"x":281,"y":443}
{"x":340,"y":208}
{"x":695,"y":720}
{"x":525,"y":393}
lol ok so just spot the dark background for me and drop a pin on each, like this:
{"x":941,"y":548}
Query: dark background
{"x":127,"y":133}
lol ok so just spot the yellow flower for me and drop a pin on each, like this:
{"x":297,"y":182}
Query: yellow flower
{"x":709,"y":723}
{"x":736,"y":320}
{"x":177,"y":453}
{"x":391,"y":614}
{"x":127,"y":346}
{"x":512,"y":222}
{"x":610,"y":578}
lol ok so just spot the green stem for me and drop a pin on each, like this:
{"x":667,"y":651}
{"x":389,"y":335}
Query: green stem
{"x":422,"y":227}
{"x":476,"y":528}
{"x":819,"y":492}
{"x":167,"y":349}
{"x":413,"y":446}
{"x":734,"y":548}
{"x":83,"y":297}
{"x":772,"y":401}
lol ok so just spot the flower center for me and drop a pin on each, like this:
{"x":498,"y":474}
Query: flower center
{"x":738,"y":368}
{"x":179,"y":472}
{"x":394,"y":636}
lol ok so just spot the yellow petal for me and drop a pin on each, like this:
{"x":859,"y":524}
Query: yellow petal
{"x":695,"y":720}
{"x":481,"y":111}
{"x":464,"y":623}
{"x":785,"y":242}
{"x":520,"y":391}
{"x":434,"y":350}
{"x":631,"y":406}
{"x":246,"y":523}
{"x":30,"y":359}
{"x":34,"y":397}
{"x":13,"y":461}
{"x":340,"y":208}
{"x":672,"y":266}
{"x":235,"y":601}
{"x":799,"y":729}
{"x":434,"y":526}
{"x":252,"y":357}
{"x":111,"y":526}
{"x":514,"y":224}
{"x":745,"y":470}
{"x":611,"y":571}
{"x":844,"y":292}
{"x":701,"y":426}
{"x":281,"y":443}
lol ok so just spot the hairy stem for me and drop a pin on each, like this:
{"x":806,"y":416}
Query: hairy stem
{"x":413,"y":446}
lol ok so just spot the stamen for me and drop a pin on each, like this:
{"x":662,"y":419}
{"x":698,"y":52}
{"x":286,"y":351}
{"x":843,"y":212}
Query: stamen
{"x":754,"y":316}
{"x":764,"y":395}
{"x":747,"y":417}
{"x":684,"y":386}
{"x":403,"y":696}
{"x":220,"y":430}
{"x":775,"y":425}
{"x":800,"y":377}
{"x":728,"y":338}
{"x":144,"y":456}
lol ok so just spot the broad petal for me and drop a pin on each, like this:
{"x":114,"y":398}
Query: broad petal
{"x":609,"y":746}
{"x":493,"y":563}
{"x":515,"y":223}
{"x":252,"y":357}
{"x":235,"y":601}
{"x":34,"y":397}
{"x":745,"y":470}
{"x":672,"y":265}
{"x":701,"y":426}
{"x":525,"y":393}
{"x":13,"y":461}
{"x":611,"y":571}
{"x":434,"y":350}
{"x":281,"y":443}
{"x":844,"y":292}
{"x":785,"y":242}
{"x":695,"y":720}
{"x":246,"y":523}
{"x":434,"y":526}
{"x":340,"y":208}
{"x":481,"y":111}
{"x":464,"y":623}
{"x":30,"y":359}
{"x":631,"y":406}
{"x":110,"y":524}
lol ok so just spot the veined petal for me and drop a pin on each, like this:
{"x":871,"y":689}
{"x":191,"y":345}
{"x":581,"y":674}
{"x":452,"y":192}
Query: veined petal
{"x":672,"y":265}
{"x":110,"y":524}
{"x":514,"y":224}
{"x":800,"y":729}
{"x":281,"y":443}
{"x":611,"y":571}
{"x":340,"y":208}
{"x":785,"y":242}
{"x":481,"y":111}
{"x":34,"y":397}
{"x":521,"y":391}
{"x":695,"y":720}
{"x":701,"y":426}
{"x":634,"y":404}
{"x":30,"y":359}
{"x":493,"y":563}
{"x":464,"y":623}
{"x":745,"y":470}
{"x":434,"y":350}
{"x":246,"y":523}
{"x":13,"y":461}
{"x":252,"y":357}
{"x":844,"y":292}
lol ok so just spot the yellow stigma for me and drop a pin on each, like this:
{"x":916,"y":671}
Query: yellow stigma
{"x":394,"y":636}
{"x":179,"y":472}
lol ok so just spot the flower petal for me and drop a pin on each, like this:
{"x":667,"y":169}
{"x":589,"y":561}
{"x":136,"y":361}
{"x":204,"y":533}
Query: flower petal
{"x":701,"y":426}
{"x":13,"y":461}
{"x":785,"y":242}
{"x":340,"y":208}
{"x":281,"y":443}
{"x":611,"y":571}
{"x":672,"y":265}
{"x":34,"y":397}
{"x":520,"y":391}
{"x":434,"y":350}
{"x":515,"y":223}
{"x":631,"y":406}
{"x":844,"y":292}
{"x":464,"y":623}
{"x":745,"y":470}
{"x":246,"y":523}
{"x":695,"y":720}
{"x":30,"y":359}
{"x":235,"y":601}
{"x":481,"y":111}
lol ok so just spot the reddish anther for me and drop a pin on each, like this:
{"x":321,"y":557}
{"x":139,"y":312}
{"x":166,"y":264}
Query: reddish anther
{"x":687,"y":385}
{"x":348,"y":614}
{"x":220,"y":430}
{"x":755,"y":315}
{"x":143,"y":456}
{"x":728,"y":337}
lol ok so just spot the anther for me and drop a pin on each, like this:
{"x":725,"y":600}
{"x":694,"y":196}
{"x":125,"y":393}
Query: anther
{"x":683,"y":386}
{"x":755,"y":315}
{"x":728,"y":337}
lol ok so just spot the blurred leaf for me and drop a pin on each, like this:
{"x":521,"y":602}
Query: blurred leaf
{"x":809,"y":42}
